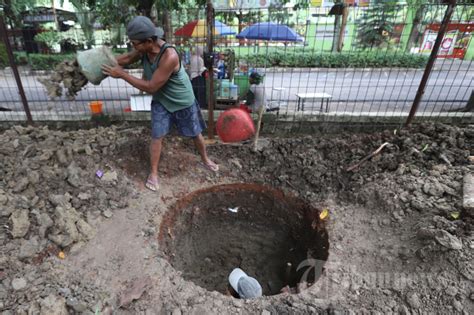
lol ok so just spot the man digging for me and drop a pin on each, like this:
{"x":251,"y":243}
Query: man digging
{"x":165,"y":78}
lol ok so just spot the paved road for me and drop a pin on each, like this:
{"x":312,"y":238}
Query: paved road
{"x":352,"y":89}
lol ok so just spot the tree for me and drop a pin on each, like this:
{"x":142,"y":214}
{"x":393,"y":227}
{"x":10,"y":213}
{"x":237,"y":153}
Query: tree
{"x":86,"y":17}
{"x":416,"y":10}
{"x":377,"y":24}
{"x":13,"y":8}
{"x":114,"y":14}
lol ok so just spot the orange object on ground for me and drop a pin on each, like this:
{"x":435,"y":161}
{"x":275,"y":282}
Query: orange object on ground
{"x":96,"y":107}
{"x":235,"y":125}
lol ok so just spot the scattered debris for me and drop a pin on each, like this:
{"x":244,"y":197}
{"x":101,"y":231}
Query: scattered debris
{"x":353,"y":167}
{"x":324,"y":214}
{"x":234,"y":210}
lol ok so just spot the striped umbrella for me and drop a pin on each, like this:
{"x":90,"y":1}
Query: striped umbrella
{"x":198,"y":28}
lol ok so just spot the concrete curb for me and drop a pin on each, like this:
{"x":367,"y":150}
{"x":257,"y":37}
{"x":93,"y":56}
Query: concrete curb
{"x":284,"y":117}
{"x":468,"y":192}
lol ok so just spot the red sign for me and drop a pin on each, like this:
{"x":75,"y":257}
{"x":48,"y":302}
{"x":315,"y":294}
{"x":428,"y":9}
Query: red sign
{"x":455,"y":41}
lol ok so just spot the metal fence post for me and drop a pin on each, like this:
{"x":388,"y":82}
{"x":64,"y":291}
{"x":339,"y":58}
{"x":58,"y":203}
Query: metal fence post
{"x":11,"y":59}
{"x":431,"y":60}
{"x":210,"y":44}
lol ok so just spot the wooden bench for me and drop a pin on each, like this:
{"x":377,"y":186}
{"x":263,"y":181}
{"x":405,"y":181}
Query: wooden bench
{"x":302,"y":97}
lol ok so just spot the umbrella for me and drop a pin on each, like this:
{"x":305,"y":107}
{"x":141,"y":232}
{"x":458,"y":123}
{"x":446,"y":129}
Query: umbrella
{"x":270,"y":31}
{"x":198,"y":28}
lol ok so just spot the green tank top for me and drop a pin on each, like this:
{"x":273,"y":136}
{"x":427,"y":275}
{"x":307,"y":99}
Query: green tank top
{"x":177,"y":93}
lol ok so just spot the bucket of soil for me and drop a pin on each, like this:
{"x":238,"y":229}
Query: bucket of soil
{"x":277,"y":239}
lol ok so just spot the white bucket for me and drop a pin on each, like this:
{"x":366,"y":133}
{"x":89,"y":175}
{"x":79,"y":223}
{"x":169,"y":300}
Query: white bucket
{"x":140,"y":102}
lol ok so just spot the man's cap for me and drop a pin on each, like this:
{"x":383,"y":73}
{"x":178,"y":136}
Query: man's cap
{"x":141,"y":28}
{"x":247,"y":287}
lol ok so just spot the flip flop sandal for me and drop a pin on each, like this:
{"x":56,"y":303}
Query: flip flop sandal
{"x":210,"y":167}
{"x":152,"y":185}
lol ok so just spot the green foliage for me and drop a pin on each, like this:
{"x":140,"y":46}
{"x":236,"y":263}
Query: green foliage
{"x":21,"y":58}
{"x":376,"y":24}
{"x":47,"y":62}
{"x":275,"y":59}
{"x":3,"y":56}
{"x":342,"y":60}
{"x":49,"y":38}
{"x":13,"y":8}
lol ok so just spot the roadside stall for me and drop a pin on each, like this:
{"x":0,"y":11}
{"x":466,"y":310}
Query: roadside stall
{"x":225,"y":91}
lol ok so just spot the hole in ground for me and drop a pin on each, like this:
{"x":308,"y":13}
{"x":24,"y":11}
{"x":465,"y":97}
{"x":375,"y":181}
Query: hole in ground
{"x":204,"y":240}
{"x":134,"y":158}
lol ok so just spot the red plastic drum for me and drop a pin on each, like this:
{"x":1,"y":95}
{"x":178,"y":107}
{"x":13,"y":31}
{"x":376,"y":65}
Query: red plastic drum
{"x":235,"y":125}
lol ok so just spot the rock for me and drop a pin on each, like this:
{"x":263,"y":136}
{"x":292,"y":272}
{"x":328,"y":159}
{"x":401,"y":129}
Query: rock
{"x":3,"y":199}
{"x":53,"y":305}
{"x":107,"y":213}
{"x":413,"y":300}
{"x":457,"y":305}
{"x":34,"y":308}
{"x":28,"y":248}
{"x":84,"y":196}
{"x":403,"y":310}
{"x":110,"y":176}
{"x":236,"y":163}
{"x":434,"y":189}
{"x":451,"y":291}
{"x":176,"y":311}
{"x":66,"y":219}
{"x":21,"y":185}
{"x":468,"y":192}
{"x":266,"y":312}
{"x":59,"y":200}
{"x":426,"y":233}
{"x":61,"y":156}
{"x":85,"y":229}
{"x":6,"y":211}
{"x":74,"y":175}
{"x":76,"y":305}
{"x":448,"y":240}
{"x":19,"y":284}
{"x":34,"y":177}
{"x":44,"y":221}
{"x":20,"y":223}
{"x":88,"y":149}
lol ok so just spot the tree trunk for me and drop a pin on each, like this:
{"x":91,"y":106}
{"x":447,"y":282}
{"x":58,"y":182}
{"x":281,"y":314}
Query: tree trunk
{"x":340,"y":40}
{"x":335,"y":39}
{"x":414,"y":33}
{"x":167,"y":28}
{"x":240,"y":18}
{"x":144,"y":7}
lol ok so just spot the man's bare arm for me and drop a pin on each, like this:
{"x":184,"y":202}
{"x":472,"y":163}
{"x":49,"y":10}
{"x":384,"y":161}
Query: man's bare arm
{"x":128,"y":58}
{"x":168,"y":64}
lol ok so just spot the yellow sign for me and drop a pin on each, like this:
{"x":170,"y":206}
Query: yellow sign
{"x":316,"y":3}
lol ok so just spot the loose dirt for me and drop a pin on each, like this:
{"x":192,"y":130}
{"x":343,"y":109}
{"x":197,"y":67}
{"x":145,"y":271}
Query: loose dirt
{"x":71,"y":242}
{"x":65,"y":76}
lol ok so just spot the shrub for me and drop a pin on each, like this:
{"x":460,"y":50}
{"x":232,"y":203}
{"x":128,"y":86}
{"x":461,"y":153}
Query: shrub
{"x":335,"y":60}
{"x":3,"y":56}
{"x":47,"y":62}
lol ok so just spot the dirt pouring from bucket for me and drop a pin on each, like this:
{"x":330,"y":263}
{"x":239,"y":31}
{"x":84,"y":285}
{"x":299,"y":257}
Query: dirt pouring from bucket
{"x":66,"y":79}
{"x":271,"y":237}
{"x":80,"y":234}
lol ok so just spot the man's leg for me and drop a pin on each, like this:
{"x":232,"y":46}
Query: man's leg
{"x":155,"y":153}
{"x":201,"y":147}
